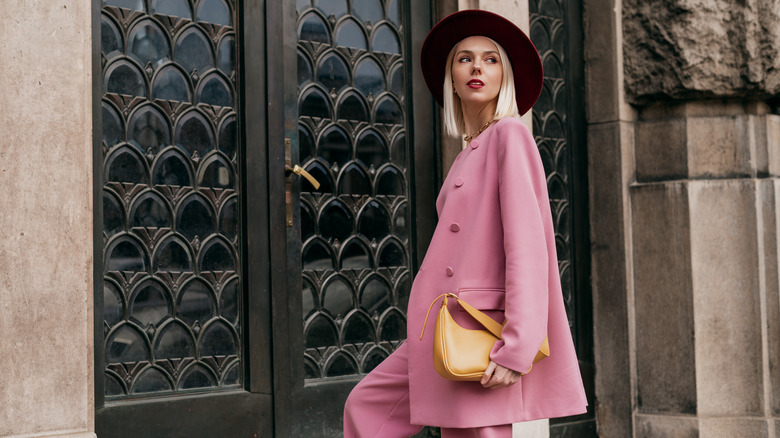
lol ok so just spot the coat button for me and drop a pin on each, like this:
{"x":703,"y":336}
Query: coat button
{"x":458,"y":182}
{"x":474,"y":144}
{"x":450,"y":272}
{"x":455,"y":227}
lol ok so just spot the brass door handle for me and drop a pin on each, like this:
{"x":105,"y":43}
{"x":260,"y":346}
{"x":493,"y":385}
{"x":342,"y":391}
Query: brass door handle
{"x":298,"y":170}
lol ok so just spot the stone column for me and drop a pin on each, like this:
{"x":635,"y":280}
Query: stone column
{"x":46,"y":289}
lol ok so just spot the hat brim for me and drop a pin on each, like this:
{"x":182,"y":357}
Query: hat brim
{"x":526,"y":65}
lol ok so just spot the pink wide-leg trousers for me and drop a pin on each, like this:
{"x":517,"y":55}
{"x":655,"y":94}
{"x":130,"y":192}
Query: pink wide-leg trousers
{"x":378,"y":407}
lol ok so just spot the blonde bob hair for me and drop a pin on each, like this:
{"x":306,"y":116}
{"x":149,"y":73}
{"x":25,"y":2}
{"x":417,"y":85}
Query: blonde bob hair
{"x":506,"y":105}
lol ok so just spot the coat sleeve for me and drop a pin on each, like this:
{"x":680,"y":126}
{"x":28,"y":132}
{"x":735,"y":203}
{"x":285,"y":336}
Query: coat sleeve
{"x":523,"y":202}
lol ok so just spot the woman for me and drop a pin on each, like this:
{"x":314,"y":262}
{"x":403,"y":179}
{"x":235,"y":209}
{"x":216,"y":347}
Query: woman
{"x":494,"y":246}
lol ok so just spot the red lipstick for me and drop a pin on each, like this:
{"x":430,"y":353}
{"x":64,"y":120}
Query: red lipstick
{"x":475,"y":83}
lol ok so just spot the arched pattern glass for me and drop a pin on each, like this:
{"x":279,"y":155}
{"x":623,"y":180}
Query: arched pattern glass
{"x":172,"y":294}
{"x":354,"y":228}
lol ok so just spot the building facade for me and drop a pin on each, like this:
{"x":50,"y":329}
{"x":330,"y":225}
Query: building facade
{"x":166,"y":272}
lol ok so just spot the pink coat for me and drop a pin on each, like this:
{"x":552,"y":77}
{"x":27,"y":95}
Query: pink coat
{"x":494,"y":245}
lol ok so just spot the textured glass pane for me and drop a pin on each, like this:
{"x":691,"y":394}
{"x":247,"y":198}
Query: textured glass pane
{"x":392,"y":255}
{"x":217,"y":339}
{"x":305,"y":70}
{"x":390,"y":183}
{"x":315,"y":104}
{"x":317,"y":257}
{"x":152,"y":380}
{"x":177,"y":8}
{"x":353,"y":108}
{"x":358,"y":329}
{"x":194,"y":134}
{"x":172,"y":257}
{"x":231,"y":376}
{"x":393,"y":328}
{"x":371,"y":149}
{"x":385,"y":40}
{"x":337,"y":297}
{"x":214,"y":11}
{"x":196,"y":377}
{"x":148,"y":44}
{"x":341,"y":365}
{"x":355,"y":256}
{"x":226,"y":56}
{"x":399,"y":150}
{"x":309,"y":299}
{"x":368,"y":10}
{"x":400,"y":222}
{"x":354,"y":181}
{"x":113,"y":126}
{"x":135,"y":5}
{"x":214,"y":90}
{"x":113,"y":387}
{"x":150,"y":211}
{"x":337,"y":8}
{"x":126,"y":167}
{"x":125,"y":256}
{"x":373,"y":359}
{"x":228,"y":301}
{"x":307,"y":221}
{"x":217,"y":174}
{"x":113,"y":307}
{"x":150,"y":305}
{"x":193,"y":51}
{"x":389,"y":112}
{"x":305,"y":143}
{"x":318,"y":171}
{"x":228,"y":136}
{"x":350,"y":34}
{"x":170,"y":84}
{"x":397,"y":82}
{"x":172,"y":170}
{"x":126,"y":344}
{"x":218,"y":258}
{"x":195,"y":218}
{"x":113,"y":215}
{"x":228,"y":219}
{"x":314,"y":29}
{"x":195,"y":303}
{"x":336,"y":222}
{"x":320,"y":333}
{"x":148,"y":129}
{"x":375,"y":296}
{"x":125,"y":78}
{"x":394,"y":12}
{"x":173,"y":342}
{"x":332,"y":73}
{"x":369,"y":78}
{"x":334,"y":147}
{"x":374,"y":222}
{"x":110,"y":38}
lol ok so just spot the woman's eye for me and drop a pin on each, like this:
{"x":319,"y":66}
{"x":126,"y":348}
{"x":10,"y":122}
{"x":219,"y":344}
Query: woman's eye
{"x":491,"y":60}
{"x":464,"y":59}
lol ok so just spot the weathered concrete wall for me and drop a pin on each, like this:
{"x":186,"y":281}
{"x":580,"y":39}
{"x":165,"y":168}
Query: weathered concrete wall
{"x":694,"y":49}
{"x":46,"y":354}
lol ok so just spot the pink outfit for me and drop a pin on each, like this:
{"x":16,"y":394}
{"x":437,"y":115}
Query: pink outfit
{"x":494,"y":245}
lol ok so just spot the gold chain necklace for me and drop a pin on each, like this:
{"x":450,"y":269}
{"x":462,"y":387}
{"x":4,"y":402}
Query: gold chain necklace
{"x":468,"y":138}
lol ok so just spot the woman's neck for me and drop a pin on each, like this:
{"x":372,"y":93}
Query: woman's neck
{"x":475,"y":118}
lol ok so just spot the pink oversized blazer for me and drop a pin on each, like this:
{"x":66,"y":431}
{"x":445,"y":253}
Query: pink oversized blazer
{"x":494,"y":245}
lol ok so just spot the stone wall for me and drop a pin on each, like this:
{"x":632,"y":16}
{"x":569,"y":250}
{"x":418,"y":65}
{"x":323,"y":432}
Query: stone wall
{"x":694,"y":49}
{"x":46,"y":325}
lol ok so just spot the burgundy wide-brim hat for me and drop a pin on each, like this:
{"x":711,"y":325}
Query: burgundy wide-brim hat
{"x":526,"y":65}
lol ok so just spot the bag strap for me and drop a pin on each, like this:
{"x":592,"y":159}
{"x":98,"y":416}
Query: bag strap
{"x":488,"y":322}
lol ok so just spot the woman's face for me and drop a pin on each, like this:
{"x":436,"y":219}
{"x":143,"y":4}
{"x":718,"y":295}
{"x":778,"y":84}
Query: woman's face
{"x":477,"y":71}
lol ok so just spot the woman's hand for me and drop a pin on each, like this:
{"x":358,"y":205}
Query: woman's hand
{"x":497,"y":376}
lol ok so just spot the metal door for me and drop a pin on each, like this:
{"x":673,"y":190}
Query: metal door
{"x":182,"y":303}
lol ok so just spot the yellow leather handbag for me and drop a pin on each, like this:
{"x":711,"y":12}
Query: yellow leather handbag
{"x":464,"y":354}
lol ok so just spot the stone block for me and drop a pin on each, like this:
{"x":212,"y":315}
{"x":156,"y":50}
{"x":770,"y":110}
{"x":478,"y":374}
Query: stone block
{"x":735,"y":428}
{"x":667,"y":426}
{"x":772,"y":255}
{"x":726,"y":297}
{"x":665,"y":360}
{"x":720,"y":147}
{"x":771,"y":127}
{"x":610,"y":166}
{"x":661,"y":150}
